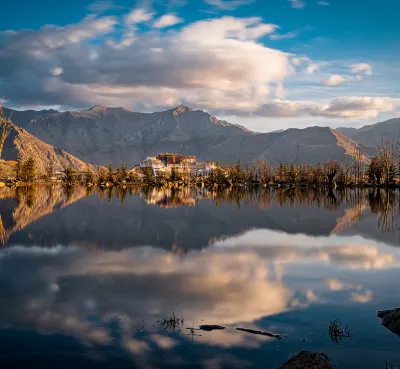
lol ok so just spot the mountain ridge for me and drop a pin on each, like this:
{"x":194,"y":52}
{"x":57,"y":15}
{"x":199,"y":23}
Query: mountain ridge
{"x":102,"y":134}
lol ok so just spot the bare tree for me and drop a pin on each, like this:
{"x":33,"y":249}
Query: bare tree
{"x":331,"y":169}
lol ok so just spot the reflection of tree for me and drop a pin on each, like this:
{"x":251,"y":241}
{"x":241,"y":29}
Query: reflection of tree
{"x":382,"y":203}
{"x":3,"y":233}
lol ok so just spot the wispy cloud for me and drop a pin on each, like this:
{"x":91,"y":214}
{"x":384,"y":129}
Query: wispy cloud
{"x":138,"y":16}
{"x":323,"y":3}
{"x":297,"y":4}
{"x":362,"y":68}
{"x":167,"y":20}
{"x":228,"y":4}
{"x":283,"y":36}
{"x":334,"y":80}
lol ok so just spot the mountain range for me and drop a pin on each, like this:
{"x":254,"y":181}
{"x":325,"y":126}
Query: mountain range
{"x":102,"y":134}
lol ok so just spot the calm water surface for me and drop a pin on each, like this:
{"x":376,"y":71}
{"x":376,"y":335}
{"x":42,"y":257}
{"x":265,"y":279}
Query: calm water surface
{"x":86,"y":279}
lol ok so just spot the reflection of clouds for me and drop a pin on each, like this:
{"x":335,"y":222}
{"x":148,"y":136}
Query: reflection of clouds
{"x":335,"y":284}
{"x":236,"y":282}
{"x":362,"y":297}
{"x":347,"y":252}
{"x":212,"y":286}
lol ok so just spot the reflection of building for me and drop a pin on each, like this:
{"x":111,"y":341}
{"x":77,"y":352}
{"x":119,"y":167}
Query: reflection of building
{"x":163,"y":163}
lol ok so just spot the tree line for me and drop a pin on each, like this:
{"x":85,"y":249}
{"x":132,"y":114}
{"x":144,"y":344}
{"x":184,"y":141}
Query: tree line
{"x":381,"y":170}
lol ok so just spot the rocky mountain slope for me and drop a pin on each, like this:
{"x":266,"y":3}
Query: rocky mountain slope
{"x":372,"y":135}
{"x":21,"y":144}
{"x":101,"y":134}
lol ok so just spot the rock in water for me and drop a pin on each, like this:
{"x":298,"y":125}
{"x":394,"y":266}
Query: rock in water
{"x":308,"y":360}
{"x":390,"y":319}
{"x":210,"y":328}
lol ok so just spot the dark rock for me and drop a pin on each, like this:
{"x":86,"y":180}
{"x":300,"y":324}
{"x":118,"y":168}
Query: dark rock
{"x":308,"y":360}
{"x":210,"y":328}
{"x":252,"y":331}
{"x":390,"y":319}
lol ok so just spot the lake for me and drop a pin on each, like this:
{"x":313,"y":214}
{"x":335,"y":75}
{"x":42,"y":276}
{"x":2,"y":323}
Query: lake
{"x":123,"y":278}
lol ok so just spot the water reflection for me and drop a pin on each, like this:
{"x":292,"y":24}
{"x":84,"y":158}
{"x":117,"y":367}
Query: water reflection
{"x":370,"y":212}
{"x":104,"y":268}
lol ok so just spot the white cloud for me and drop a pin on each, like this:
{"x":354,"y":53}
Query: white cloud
{"x":216,"y":64}
{"x":362,"y":68}
{"x":167,"y":20}
{"x":228,"y":4}
{"x":312,"y":67}
{"x":354,"y":107}
{"x":280,"y":92}
{"x":283,"y":36}
{"x":297,"y":4}
{"x":334,"y":80}
{"x":56,"y":71}
{"x":138,"y":16}
{"x":323,"y":3}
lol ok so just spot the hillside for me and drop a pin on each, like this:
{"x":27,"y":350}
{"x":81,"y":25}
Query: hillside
{"x":21,"y":144}
{"x":101,"y":134}
{"x":372,"y":135}
{"x":309,"y":145}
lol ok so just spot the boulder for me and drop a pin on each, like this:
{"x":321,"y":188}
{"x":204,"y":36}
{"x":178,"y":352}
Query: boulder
{"x":390,"y":319}
{"x":308,"y":360}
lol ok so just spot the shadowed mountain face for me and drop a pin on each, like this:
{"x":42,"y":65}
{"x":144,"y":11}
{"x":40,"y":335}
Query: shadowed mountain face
{"x":372,"y":135}
{"x":21,"y":145}
{"x":101,"y":134}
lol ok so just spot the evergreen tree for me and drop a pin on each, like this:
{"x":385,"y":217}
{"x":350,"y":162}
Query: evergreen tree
{"x":18,"y":170}
{"x":119,"y":174}
{"x":89,"y":178}
{"x":50,"y":170}
{"x":29,"y":170}
{"x":148,"y":174}
{"x":292,"y":173}
{"x":69,"y":175}
{"x":110,"y":173}
{"x":124,"y":172}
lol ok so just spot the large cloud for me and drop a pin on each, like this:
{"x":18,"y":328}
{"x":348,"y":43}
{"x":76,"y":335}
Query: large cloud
{"x":206,"y":61}
{"x":217,"y":64}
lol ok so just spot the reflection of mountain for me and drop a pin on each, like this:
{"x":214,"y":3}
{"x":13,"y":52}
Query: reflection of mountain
{"x":142,"y":218}
{"x":351,"y":216}
{"x":31,"y":205}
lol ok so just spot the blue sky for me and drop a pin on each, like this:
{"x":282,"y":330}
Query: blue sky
{"x":267,"y":64}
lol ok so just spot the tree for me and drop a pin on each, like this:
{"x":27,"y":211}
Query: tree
{"x":264,"y":171}
{"x":110,"y":173}
{"x":375,"y":171}
{"x":292,"y":174}
{"x":281,"y":173}
{"x":119,"y":174}
{"x":102,"y":174}
{"x":18,"y":170}
{"x":50,"y":170}
{"x":318,"y":175}
{"x":174,"y":177}
{"x":148,"y":174}
{"x":89,"y":178}
{"x":29,"y":170}
{"x":5,"y":127}
{"x":331,"y":169}
{"x":69,"y":175}
{"x":124,"y":172}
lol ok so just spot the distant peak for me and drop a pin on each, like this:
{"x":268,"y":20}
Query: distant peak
{"x":181,"y":109}
{"x":98,"y":108}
